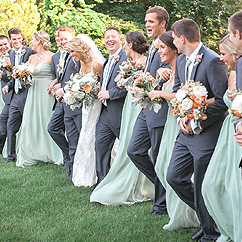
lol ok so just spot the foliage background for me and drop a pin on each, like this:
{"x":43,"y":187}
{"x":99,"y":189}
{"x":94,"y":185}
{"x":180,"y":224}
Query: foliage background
{"x":92,"y":17}
{"x":23,"y":14}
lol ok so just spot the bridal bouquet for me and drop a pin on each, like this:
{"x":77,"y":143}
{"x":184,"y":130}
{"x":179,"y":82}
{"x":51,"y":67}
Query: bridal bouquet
{"x":142,"y":85}
{"x":190,"y":101}
{"x":5,"y":65}
{"x":23,"y":72}
{"x":81,"y":89}
{"x":129,"y":71}
{"x":236,"y":108}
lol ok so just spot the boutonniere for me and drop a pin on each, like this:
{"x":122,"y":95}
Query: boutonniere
{"x":60,"y":66}
{"x":23,"y":51}
{"x":198,"y":59}
{"x":116,"y":58}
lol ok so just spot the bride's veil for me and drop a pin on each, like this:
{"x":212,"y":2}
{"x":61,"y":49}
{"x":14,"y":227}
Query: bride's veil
{"x":94,"y":50}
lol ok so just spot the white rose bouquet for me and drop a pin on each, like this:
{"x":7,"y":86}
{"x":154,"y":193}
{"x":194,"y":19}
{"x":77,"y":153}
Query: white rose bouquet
{"x":81,"y":89}
{"x":24,"y":73}
{"x":190,"y":101}
{"x":236,"y":107}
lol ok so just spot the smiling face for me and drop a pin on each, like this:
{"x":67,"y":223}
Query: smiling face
{"x":76,"y":55}
{"x":177,"y":41}
{"x":4,"y":46}
{"x":153,"y":27}
{"x":57,"y":40}
{"x":65,"y":37}
{"x":34,"y":43}
{"x":16,"y":40}
{"x":165,"y":52}
{"x":112,"y":40}
{"x":226,"y":57}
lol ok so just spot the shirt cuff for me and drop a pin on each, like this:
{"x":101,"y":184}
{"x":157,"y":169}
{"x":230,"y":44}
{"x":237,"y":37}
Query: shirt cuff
{"x":196,"y":126}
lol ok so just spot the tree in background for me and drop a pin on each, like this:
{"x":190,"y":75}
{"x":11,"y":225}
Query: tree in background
{"x":211,"y":15}
{"x":19,"y":13}
{"x":81,"y":17}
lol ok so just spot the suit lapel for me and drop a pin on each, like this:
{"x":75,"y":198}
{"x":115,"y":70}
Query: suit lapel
{"x":183,"y":65}
{"x":104,"y":64}
{"x":196,"y":64}
{"x":67,"y":60}
{"x":22,"y":55}
{"x":149,"y":60}
{"x":113,"y":66}
{"x":58,"y":59}
{"x":12,"y":58}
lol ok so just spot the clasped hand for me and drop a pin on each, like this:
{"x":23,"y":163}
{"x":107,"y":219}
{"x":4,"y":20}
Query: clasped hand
{"x":185,"y":126}
{"x":5,"y":90}
{"x":102,"y":95}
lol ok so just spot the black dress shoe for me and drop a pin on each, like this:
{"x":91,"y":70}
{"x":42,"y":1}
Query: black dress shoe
{"x":65,"y":164}
{"x":197,"y":235}
{"x":158,"y":213}
{"x":8,"y":160}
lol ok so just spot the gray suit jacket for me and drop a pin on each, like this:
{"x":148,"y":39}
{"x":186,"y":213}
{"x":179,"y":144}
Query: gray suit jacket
{"x":212,"y":73}
{"x":156,"y":119}
{"x":239,"y":83}
{"x":70,"y":67}
{"x":24,"y":58}
{"x":117,"y":95}
{"x":4,"y":82}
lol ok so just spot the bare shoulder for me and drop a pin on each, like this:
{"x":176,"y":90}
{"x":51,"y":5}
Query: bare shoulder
{"x":49,"y":55}
{"x":31,"y":58}
{"x":97,"y":67}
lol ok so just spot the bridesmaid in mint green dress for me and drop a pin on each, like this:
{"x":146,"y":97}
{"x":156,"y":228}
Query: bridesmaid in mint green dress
{"x":181,"y":215}
{"x":222,"y":185}
{"x":125,"y":184}
{"x":35,"y":144}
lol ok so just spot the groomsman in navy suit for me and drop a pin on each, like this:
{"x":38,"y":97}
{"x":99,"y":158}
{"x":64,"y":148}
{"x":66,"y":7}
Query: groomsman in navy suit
{"x":56,"y":127}
{"x":5,"y":49}
{"x":235,"y":33}
{"x":195,"y":144}
{"x":112,"y":98}
{"x":19,"y":55}
{"x":149,"y":126}
{"x":72,"y":119}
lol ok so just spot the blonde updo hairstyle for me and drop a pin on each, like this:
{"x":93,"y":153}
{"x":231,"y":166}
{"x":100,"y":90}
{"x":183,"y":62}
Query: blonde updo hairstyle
{"x":80,"y":46}
{"x":44,"y":39}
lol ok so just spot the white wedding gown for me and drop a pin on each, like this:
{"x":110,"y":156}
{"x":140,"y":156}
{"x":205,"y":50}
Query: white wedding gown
{"x":84,"y":167}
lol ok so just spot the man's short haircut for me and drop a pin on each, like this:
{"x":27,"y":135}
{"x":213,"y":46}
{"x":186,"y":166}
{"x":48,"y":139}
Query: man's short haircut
{"x":67,"y":28}
{"x":14,"y":30}
{"x":187,"y":28}
{"x":4,"y":37}
{"x":235,"y":22}
{"x":113,"y":28}
{"x":161,"y":12}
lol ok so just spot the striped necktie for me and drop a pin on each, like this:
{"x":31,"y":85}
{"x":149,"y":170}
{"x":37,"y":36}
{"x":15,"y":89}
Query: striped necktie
{"x":106,"y":75}
{"x":188,"y":63}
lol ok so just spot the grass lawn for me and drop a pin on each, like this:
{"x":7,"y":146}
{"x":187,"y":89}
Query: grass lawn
{"x":38,"y":204}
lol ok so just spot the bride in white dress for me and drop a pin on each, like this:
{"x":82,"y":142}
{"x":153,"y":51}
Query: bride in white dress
{"x":83,"y":49}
